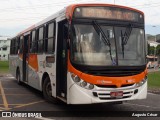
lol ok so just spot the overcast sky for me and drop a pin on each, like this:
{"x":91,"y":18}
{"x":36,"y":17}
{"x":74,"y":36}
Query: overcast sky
{"x":16,"y":15}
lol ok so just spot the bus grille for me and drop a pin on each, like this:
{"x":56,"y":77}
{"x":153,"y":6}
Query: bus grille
{"x":114,"y":73}
{"x":113,"y":86}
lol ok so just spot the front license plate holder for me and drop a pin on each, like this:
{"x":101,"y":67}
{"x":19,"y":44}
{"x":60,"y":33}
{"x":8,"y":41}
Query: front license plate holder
{"x":116,"y":94}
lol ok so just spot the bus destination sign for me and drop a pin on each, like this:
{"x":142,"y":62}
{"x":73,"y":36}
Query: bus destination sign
{"x":107,"y":13}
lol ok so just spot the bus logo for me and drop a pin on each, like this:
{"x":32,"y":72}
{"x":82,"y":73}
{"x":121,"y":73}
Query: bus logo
{"x":104,"y":82}
{"x":130,"y":81}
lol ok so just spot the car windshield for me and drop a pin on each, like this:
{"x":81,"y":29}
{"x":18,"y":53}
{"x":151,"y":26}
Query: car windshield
{"x":101,"y":45}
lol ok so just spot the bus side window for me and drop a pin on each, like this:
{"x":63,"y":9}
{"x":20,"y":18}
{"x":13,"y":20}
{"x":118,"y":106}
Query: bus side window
{"x":21,"y":44}
{"x":15,"y":46}
{"x":50,"y":38}
{"x":30,"y":43}
{"x":40,"y":34}
{"x":18,"y":46}
{"x":33,"y":42}
{"x":11,"y":47}
{"x":14,"y":43}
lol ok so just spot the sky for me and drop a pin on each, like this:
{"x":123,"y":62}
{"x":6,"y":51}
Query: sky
{"x":16,"y":15}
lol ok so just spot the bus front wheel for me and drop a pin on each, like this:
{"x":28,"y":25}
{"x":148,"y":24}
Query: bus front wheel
{"x":47,"y":91}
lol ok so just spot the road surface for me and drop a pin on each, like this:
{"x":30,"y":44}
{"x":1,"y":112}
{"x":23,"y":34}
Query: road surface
{"x":14,"y":97}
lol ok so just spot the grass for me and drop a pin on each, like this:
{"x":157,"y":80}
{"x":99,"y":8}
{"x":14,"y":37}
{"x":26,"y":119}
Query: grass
{"x":4,"y":67}
{"x":154,"y":79}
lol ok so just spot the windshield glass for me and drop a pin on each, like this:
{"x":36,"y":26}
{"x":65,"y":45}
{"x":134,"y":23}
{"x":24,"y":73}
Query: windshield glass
{"x":106,"y":46}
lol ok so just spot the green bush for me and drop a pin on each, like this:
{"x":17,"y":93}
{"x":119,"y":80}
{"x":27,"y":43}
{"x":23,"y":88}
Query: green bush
{"x":4,"y":67}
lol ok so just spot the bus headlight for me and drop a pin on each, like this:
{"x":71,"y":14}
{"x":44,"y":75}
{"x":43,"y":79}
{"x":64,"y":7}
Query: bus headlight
{"x":77,"y":79}
{"x":81,"y":82}
{"x":91,"y":86}
{"x":141,"y":82}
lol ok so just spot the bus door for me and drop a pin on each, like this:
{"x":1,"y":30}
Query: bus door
{"x":61,"y":64}
{"x":25,"y":58}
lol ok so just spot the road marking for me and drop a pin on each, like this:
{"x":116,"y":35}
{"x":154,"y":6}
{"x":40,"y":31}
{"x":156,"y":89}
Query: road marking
{"x":16,"y":88}
{"x":143,"y":105}
{"x":152,"y":94}
{"x":7,"y":77}
{"x":18,"y":94}
{"x":5,"y":103}
{"x":29,"y":104}
{"x":14,"y":104}
{"x":2,"y":108}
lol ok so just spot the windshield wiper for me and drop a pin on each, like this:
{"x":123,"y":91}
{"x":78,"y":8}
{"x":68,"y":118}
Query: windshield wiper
{"x":99,"y":30}
{"x":125,"y":37}
{"x":105,"y":38}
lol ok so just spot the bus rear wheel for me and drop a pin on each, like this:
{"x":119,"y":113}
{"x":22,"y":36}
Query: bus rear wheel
{"x":47,"y":91}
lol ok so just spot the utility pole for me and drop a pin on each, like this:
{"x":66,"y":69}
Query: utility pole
{"x":154,"y":47}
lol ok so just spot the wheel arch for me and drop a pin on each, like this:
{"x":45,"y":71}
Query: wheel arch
{"x":17,"y":70}
{"x":45,"y":74}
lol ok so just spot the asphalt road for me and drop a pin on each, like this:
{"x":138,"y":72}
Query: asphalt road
{"x":16,"y":98}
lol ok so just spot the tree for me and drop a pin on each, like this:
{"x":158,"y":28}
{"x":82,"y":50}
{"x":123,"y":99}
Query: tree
{"x":151,"y":50}
{"x":158,"y":53}
{"x":158,"y":50}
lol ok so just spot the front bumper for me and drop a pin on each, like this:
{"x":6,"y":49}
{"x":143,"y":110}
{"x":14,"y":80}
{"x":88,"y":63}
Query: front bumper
{"x":79,"y":95}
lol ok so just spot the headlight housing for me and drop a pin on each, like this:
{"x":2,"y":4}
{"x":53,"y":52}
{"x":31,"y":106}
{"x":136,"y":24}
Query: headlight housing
{"x":141,"y":82}
{"x":81,"y":82}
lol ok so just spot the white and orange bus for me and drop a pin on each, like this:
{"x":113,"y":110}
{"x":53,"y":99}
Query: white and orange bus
{"x":84,"y":54}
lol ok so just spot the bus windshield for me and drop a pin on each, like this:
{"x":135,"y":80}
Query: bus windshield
{"x":102,"y":45}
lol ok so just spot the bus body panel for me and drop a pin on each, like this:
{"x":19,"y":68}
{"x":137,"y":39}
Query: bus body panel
{"x":35,"y":76}
{"x":13,"y":63}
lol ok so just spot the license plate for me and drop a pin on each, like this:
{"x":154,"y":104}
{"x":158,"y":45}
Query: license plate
{"x":116,"y":94}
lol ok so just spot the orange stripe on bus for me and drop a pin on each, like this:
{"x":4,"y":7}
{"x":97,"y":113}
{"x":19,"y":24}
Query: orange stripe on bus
{"x":33,"y":61}
{"x":104,"y":80}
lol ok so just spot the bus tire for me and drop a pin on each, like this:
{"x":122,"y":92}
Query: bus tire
{"x":18,"y":77}
{"x":47,"y":91}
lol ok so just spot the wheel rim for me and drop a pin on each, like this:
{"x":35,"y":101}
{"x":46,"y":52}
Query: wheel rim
{"x":48,"y":89}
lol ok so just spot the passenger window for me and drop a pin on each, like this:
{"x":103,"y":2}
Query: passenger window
{"x":50,"y":38}
{"x":40,"y":40}
{"x":21,"y":44}
{"x":33,"y":45}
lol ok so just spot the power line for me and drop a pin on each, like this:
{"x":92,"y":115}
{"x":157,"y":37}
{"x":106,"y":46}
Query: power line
{"x":17,"y":10}
{"x":147,"y":5}
{"x":43,"y":5}
{"x":29,"y":18}
{"x":38,"y":6}
{"x":35,"y":18}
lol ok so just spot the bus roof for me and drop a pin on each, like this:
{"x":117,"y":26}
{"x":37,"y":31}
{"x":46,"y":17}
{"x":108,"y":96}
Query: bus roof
{"x":68,"y":12}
